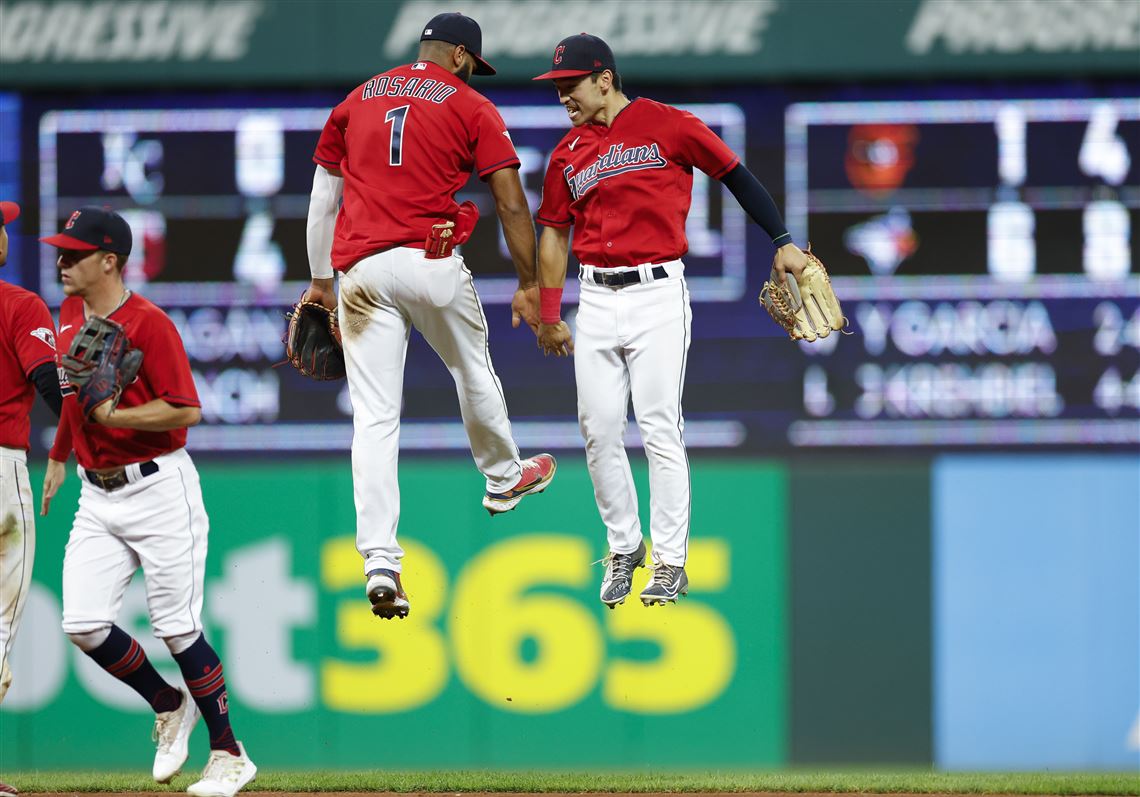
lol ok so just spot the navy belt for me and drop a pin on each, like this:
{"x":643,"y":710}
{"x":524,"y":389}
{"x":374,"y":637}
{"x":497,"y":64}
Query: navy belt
{"x":118,"y":477}
{"x":619,"y":279}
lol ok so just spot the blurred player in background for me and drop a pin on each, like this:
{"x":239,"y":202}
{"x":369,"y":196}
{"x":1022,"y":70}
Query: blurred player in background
{"x":27,"y":365}
{"x":622,"y":177}
{"x":398,"y":149}
{"x":140,"y":504}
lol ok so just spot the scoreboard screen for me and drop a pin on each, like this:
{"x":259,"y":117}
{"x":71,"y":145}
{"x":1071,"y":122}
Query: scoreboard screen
{"x":983,"y":249}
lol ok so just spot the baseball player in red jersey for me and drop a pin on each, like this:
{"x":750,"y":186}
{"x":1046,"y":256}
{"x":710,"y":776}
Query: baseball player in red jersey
{"x":27,"y":365}
{"x":140,"y":504}
{"x":398,"y":149}
{"x":622,"y":179}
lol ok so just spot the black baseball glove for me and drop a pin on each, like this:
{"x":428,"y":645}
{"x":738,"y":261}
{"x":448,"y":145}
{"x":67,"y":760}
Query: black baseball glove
{"x":99,"y":364}
{"x":312,"y":342}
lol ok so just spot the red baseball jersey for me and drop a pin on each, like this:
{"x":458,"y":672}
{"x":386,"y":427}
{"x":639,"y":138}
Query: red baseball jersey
{"x":165,"y":374}
{"x":27,"y":341}
{"x":626,"y":188}
{"x":406,"y":141}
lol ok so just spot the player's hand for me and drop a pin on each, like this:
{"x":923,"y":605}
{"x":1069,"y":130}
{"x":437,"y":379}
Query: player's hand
{"x":789,"y":259}
{"x":322,"y":292}
{"x":555,"y":339}
{"x":53,"y":479}
{"x":525,"y":307}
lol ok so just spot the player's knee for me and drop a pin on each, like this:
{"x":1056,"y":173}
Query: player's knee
{"x":602,"y":432}
{"x":177,"y":644}
{"x":89,"y":639}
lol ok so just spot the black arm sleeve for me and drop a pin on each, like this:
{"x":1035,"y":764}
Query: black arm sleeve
{"x":46,"y":379}
{"x":757,"y":203}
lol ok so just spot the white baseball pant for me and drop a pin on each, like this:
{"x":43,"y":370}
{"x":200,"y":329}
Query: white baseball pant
{"x":634,"y":341}
{"x":381,"y":298}
{"x":156,"y":521}
{"x":17,"y":550}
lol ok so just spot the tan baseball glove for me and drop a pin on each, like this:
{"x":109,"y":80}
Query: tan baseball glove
{"x":806,"y":307}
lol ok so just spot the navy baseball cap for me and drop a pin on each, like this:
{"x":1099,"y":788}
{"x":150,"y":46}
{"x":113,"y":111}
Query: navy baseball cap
{"x":580,"y":55}
{"x":458,"y":29}
{"x":92,"y":227}
{"x":9,"y":212}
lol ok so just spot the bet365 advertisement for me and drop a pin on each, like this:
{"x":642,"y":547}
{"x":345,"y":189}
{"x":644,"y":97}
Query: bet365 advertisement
{"x":508,"y":657}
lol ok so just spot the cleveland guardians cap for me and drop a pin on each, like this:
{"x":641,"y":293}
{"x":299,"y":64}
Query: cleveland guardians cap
{"x":92,"y":227}
{"x":580,"y":55}
{"x":9,"y":211}
{"x":458,"y":29}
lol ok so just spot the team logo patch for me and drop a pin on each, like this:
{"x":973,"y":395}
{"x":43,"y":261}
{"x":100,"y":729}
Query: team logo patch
{"x":618,"y":159}
{"x":44,"y":334}
{"x":419,"y":66}
{"x":71,"y":222}
{"x":558,"y":54}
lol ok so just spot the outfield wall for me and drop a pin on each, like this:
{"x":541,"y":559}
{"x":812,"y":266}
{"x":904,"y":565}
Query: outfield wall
{"x":841,"y":611}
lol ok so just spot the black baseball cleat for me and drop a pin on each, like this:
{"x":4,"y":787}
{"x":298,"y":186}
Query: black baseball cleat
{"x":536,"y":475}
{"x":387,"y":594}
{"x":618,"y":580}
{"x":667,"y":582}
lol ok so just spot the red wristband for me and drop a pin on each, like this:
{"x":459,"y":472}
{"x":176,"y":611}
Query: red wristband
{"x":550,"y":305}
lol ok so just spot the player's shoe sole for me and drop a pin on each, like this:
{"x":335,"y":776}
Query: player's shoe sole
{"x":387,"y":596}
{"x":387,"y":604}
{"x":498,"y":503}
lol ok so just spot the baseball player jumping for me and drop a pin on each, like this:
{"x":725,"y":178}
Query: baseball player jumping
{"x":140,"y":504}
{"x":622,"y":179}
{"x":398,"y":149}
{"x":27,"y":365}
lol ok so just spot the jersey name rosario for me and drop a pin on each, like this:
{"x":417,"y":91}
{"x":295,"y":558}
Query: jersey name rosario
{"x":428,"y":89}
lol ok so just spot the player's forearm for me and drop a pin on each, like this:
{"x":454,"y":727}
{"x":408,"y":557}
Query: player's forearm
{"x":553,"y":253}
{"x":553,"y":248}
{"x":757,"y":203}
{"x":154,"y":416}
{"x":62,"y":445}
{"x":323,"y":204}
{"x":518,"y":230}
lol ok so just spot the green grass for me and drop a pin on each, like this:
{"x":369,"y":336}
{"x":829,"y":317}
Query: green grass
{"x":916,"y":781}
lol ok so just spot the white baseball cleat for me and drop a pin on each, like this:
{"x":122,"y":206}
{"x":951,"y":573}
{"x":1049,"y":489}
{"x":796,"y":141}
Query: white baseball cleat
{"x":171,"y":733}
{"x":224,"y":775}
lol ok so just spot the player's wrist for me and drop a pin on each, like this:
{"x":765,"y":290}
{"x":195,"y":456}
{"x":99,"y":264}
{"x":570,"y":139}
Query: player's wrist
{"x":550,"y":305}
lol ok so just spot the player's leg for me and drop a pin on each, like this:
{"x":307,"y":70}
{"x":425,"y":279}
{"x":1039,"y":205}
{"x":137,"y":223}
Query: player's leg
{"x":441,"y":300}
{"x":375,"y":336}
{"x":17,"y":551}
{"x":657,"y":353}
{"x":164,"y":522}
{"x":603,"y":411}
{"x":97,"y":567}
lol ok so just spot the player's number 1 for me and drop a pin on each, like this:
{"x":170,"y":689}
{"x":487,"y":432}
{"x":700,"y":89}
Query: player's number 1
{"x":396,"y":140}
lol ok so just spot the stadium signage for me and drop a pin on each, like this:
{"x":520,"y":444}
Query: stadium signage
{"x":218,"y":42}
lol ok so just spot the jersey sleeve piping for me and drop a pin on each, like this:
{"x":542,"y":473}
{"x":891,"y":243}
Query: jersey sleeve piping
{"x":38,"y":363}
{"x":503,"y":164}
{"x":182,"y":401}
{"x":322,"y":162}
{"x":726,"y":169}
{"x":554,"y":222}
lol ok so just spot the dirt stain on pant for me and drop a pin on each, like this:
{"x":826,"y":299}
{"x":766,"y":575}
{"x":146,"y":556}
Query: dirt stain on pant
{"x":10,"y":535}
{"x":356,"y":305}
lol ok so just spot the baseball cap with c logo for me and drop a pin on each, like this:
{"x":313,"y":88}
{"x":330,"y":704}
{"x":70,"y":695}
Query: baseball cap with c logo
{"x":578,"y":55}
